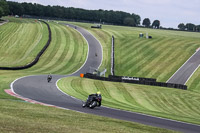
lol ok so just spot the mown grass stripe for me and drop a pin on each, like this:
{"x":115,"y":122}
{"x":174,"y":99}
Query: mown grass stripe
{"x":50,"y":54}
{"x":60,"y":50}
{"x":145,"y":57}
{"x":163,"y":102}
{"x":142,"y":49}
{"x":29,"y":29}
{"x":165,"y":57}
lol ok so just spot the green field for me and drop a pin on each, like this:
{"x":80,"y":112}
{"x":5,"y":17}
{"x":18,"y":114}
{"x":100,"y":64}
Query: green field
{"x":21,"y":41}
{"x":68,"y":48}
{"x":19,"y":117}
{"x":66,"y":54}
{"x":163,"y":102}
{"x":159,"y":57}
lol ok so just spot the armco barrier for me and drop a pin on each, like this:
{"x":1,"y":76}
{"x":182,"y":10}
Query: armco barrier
{"x":37,"y":57}
{"x":135,"y":80}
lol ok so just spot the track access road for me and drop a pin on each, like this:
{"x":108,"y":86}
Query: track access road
{"x":37,"y":88}
{"x":183,"y":74}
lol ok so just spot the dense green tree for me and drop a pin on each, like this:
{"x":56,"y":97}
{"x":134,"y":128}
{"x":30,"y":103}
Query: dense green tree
{"x":1,"y":12}
{"x":198,"y":28}
{"x":190,"y":27}
{"x":16,"y":8}
{"x":137,"y":19}
{"x":129,"y":21}
{"x":114,"y":17}
{"x":181,"y":26}
{"x":146,"y":22}
{"x":156,"y":24}
{"x":4,"y":9}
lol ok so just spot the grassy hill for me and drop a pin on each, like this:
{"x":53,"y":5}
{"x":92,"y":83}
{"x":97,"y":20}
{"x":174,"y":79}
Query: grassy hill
{"x":159,"y":57}
{"x":66,"y":53}
{"x":21,"y":41}
{"x":157,"y":101}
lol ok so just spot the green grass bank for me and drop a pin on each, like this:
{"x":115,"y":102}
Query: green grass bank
{"x":66,"y":53}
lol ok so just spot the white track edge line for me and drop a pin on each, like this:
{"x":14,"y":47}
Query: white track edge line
{"x":45,"y":104}
{"x":88,"y":48}
{"x":103,"y":106}
{"x":101,"y":48}
{"x":192,"y":74}
{"x":87,"y":53}
{"x":180,"y":67}
{"x":129,"y":111}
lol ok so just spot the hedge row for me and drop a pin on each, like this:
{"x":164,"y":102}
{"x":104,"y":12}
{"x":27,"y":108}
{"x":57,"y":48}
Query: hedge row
{"x":135,"y":80}
{"x":37,"y":57}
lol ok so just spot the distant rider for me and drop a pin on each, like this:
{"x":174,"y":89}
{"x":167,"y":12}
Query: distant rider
{"x":49,"y":77}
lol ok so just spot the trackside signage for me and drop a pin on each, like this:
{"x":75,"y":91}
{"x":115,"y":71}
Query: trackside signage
{"x":135,"y":80}
{"x":130,"y":78}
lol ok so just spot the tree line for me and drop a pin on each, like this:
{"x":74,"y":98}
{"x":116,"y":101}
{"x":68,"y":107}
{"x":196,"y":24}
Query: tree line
{"x":112,"y":17}
{"x":70,"y":13}
{"x":189,"y":27}
{"x":4,"y":8}
{"x":147,"y":23}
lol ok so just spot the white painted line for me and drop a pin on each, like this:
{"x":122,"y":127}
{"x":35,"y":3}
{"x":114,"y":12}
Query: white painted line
{"x":88,"y":48}
{"x":154,"y":116}
{"x":180,"y":67}
{"x":129,"y":111}
{"x":34,"y":101}
{"x":101,"y":48}
{"x":191,"y":75}
{"x":87,"y":54}
{"x":64,"y":92}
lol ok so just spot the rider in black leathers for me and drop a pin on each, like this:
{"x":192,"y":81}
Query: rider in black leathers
{"x":49,"y":77}
{"x":94,"y":97}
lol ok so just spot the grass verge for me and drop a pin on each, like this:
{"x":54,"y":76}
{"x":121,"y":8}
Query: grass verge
{"x":159,"y":57}
{"x":19,"y":117}
{"x":66,"y":53}
{"x":163,"y":102}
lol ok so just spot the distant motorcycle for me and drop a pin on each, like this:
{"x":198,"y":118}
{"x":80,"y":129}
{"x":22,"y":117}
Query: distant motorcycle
{"x":93,"y":101}
{"x":49,"y":78}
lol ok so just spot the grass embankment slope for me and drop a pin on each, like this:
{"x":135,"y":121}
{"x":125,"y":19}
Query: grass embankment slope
{"x":159,"y":58}
{"x":66,"y":53}
{"x":163,"y":102}
{"x":105,"y":39}
{"x":19,"y":46}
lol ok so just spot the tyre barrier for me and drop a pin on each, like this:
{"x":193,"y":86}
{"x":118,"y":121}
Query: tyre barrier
{"x":135,"y":80}
{"x":126,"y":78}
{"x":113,"y":56}
{"x":37,"y":57}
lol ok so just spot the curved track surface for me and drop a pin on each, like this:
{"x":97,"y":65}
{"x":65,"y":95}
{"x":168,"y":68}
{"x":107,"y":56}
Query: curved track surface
{"x":37,"y":88}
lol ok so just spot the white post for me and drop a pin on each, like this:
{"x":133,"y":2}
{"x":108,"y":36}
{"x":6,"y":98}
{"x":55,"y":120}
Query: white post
{"x":147,"y":36}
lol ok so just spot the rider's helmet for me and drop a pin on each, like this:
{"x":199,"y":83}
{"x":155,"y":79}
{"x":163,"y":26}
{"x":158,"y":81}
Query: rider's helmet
{"x":98,"y":93}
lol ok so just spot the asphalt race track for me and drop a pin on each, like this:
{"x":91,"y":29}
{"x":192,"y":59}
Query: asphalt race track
{"x":186,"y":71}
{"x":37,"y":88}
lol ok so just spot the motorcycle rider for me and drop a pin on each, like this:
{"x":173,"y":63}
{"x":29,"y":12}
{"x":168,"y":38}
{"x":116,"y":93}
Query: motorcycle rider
{"x":49,"y":77}
{"x":95,"y":97}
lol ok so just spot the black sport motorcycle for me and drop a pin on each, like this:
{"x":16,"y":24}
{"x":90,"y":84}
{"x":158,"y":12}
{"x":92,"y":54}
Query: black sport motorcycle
{"x":92,"y":102}
{"x":49,"y":78}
